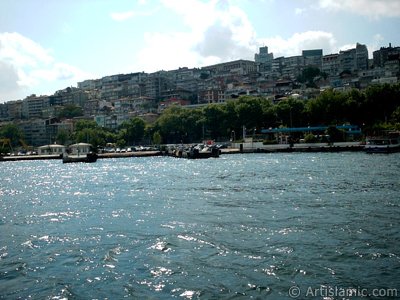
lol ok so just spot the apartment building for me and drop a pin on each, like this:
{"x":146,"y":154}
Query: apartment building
{"x":157,"y":83}
{"x":331,"y":64}
{"x":313,"y":58}
{"x":212,"y":96}
{"x":292,"y":67}
{"x":38,"y":132}
{"x":89,"y":84}
{"x":384,"y":54}
{"x":33,"y":106}
{"x":111,"y":121}
{"x":353,"y":60}
{"x":237,"y":67}
{"x":69,"y":95}
{"x":264,"y":59}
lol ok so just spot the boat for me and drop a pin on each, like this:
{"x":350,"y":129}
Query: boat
{"x":201,"y":151}
{"x":195,"y":151}
{"x":80,"y":152}
{"x":389,"y":143}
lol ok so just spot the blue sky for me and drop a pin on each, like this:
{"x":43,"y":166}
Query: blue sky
{"x":50,"y":45}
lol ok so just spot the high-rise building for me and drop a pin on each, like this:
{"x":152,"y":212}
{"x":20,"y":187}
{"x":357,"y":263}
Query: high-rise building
{"x":263,"y":56}
{"x":331,"y":64}
{"x":33,"y":106}
{"x":313,"y":58}
{"x":385,"y":54}
{"x":361,"y":57}
{"x":353,"y":60}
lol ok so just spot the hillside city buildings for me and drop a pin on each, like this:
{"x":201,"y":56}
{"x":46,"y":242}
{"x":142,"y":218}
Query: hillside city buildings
{"x":113,"y":99}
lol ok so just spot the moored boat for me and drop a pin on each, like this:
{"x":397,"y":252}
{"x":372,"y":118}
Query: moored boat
{"x":195,"y":152}
{"x":201,"y":151}
{"x":80,"y":152}
{"x":389,"y":143}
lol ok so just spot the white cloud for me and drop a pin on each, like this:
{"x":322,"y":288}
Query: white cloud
{"x":26,"y":65}
{"x":9,"y":77}
{"x":125,"y":15}
{"x":294,"y":45}
{"x":224,"y":34}
{"x":376,"y":43}
{"x":122,"y":16}
{"x":166,"y":51}
{"x":370,"y":8}
{"x":20,"y":50}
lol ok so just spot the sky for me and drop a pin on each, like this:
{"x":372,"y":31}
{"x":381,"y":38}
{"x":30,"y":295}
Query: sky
{"x":48,"y":45}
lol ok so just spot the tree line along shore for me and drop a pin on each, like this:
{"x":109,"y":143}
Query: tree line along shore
{"x":374,"y":110}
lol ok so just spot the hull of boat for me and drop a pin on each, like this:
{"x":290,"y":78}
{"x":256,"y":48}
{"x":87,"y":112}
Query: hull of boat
{"x":382,"y":149}
{"x":89,"y":158}
{"x":201,"y":155}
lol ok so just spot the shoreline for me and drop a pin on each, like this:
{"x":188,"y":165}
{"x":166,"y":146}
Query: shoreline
{"x":279,"y":148}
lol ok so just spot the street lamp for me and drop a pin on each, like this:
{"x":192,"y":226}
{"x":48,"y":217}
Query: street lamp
{"x":233,"y":136}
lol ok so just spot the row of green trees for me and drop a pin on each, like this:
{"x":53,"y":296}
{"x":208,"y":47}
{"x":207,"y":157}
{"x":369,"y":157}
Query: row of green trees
{"x":377,"y":107}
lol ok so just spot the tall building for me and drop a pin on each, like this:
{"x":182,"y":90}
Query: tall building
{"x":385,"y":54}
{"x":236,"y":67}
{"x":33,"y":106}
{"x":353,"y":60}
{"x":312,"y":58}
{"x":157,"y":84}
{"x":292,"y":67}
{"x":264,"y":59}
{"x":361,"y":57}
{"x":331,"y":64}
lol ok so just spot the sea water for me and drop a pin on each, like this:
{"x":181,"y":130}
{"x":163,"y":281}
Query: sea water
{"x":261,"y":226}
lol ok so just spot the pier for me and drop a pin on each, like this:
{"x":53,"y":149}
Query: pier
{"x":277,"y":148}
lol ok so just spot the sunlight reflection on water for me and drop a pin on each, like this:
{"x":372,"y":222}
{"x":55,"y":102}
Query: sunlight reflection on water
{"x":237,"y":226}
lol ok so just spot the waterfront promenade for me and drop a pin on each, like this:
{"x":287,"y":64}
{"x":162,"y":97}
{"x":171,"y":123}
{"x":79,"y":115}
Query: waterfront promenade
{"x":301,"y":147}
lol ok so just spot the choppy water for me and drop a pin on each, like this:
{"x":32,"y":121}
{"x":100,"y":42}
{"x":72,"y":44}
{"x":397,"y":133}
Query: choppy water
{"x":235,"y":227}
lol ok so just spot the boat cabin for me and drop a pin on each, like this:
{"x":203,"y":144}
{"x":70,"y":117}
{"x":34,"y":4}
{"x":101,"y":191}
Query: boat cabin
{"x":80,"y":149}
{"x":53,"y":149}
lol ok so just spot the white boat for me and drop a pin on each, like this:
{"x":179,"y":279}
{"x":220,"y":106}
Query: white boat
{"x":383,"y":144}
{"x":80,"y":152}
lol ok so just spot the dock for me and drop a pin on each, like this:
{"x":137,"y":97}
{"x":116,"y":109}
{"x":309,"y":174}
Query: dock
{"x":277,"y":148}
{"x":99,"y":156}
{"x":300,"y":147}
{"x":129,"y":154}
{"x":29,"y":157}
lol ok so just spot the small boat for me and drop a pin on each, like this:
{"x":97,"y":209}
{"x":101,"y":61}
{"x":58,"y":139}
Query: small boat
{"x":201,"y":151}
{"x":195,"y":151}
{"x":389,"y":143}
{"x":80,"y":152}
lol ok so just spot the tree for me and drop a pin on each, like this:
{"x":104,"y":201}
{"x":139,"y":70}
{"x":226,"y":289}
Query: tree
{"x":308,"y":75}
{"x":381,"y":101}
{"x":335,"y":135}
{"x":82,"y":124}
{"x":214,"y":121}
{"x":132,"y":131}
{"x":62,"y":136}
{"x":169,"y":124}
{"x":11,"y":132}
{"x":157,"y":138}
{"x":328,"y":108}
{"x":87,"y":131}
{"x":70,"y":111}
{"x":250,"y":111}
{"x":291,"y":112}
{"x":395,"y":117}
